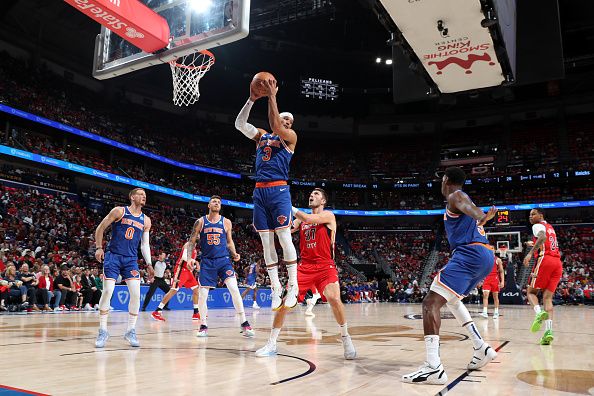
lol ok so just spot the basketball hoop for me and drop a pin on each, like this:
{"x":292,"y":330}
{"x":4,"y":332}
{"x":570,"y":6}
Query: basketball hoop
{"x":187,"y":72}
{"x":502,"y":251}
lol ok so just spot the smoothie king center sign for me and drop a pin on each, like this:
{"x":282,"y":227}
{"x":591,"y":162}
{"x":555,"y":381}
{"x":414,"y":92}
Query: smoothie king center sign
{"x":460,"y":56}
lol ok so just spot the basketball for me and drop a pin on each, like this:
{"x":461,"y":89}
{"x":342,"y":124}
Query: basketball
{"x":256,"y":84}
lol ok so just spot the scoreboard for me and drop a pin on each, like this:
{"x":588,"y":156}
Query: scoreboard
{"x":319,"y":89}
{"x":502,"y":218}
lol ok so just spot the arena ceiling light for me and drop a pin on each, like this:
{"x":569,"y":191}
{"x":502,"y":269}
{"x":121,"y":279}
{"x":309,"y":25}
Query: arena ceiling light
{"x":378,"y":60}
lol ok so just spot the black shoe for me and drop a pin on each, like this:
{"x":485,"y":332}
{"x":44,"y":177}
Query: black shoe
{"x":143,"y":309}
{"x":166,"y":309}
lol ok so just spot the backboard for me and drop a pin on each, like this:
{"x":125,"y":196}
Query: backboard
{"x":194,"y":25}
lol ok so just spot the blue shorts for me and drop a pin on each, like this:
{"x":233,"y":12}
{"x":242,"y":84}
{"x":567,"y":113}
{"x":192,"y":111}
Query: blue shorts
{"x":116,"y":264}
{"x":468,"y":266}
{"x":212,"y":269}
{"x":272,"y":208}
{"x":251,"y":282}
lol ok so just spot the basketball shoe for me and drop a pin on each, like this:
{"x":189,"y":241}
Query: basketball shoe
{"x":276,"y":299}
{"x":481,"y":357}
{"x":291,"y":298}
{"x":157,"y":316}
{"x":547,"y":338}
{"x":196,"y":316}
{"x":267,"y":350}
{"x":130,"y":336}
{"x":538,"y":319}
{"x":349,"y":349}
{"x":247,"y":330}
{"x":427,"y":375}
{"x":203,"y":332}
{"x":102,"y":338}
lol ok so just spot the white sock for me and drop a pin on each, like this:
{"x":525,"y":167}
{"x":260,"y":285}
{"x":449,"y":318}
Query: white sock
{"x":496,"y":310}
{"x":476,"y":338}
{"x":202,"y":305}
{"x":537,"y":309}
{"x":485,"y":310}
{"x":274,"y":335}
{"x":549,"y":324}
{"x":103,"y":321}
{"x":292,"y":270}
{"x":432,"y":347}
{"x":273,"y":275}
{"x":196,"y":306}
{"x":131,"y":322}
{"x":161,"y":305}
{"x":344,"y":330}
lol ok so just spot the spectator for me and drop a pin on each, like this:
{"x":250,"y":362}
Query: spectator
{"x":45,"y":291}
{"x":64,"y":284}
{"x":30,"y":282}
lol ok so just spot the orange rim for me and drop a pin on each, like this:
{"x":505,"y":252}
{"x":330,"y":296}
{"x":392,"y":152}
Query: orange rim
{"x":211,"y":61}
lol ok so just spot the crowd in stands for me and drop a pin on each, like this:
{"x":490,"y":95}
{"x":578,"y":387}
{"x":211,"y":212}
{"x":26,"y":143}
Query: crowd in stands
{"x":218,"y":145}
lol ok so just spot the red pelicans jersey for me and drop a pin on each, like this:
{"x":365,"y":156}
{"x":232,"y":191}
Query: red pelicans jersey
{"x":316,"y":244}
{"x":550,"y":246}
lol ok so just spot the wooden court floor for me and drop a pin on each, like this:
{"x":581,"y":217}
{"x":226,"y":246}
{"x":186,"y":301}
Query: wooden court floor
{"x":54,"y":354}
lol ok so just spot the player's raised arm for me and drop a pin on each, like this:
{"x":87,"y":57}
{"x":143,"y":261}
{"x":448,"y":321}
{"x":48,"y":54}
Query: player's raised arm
{"x":191,"y":245}
{"x":460,"y":201}
{"x":145,"y":247}
{"x":114,"y":215}
{"x":241,"y":123}
{"x":274,"y":118}
{"x":230,"y":244}
{"x":296,"y":225}
{"x":326,"y":217}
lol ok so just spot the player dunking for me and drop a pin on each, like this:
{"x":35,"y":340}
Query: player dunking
{"x":272,"y":196}
{"x":251,"y":278}
{"x":129,"y":228}
{"x":216,"y":242}
{"x":471,"y":261}
{"x":183,"y":276}
{"x":494,"y":282}
{"x":546,"y":274}
{"x":317,"y":269}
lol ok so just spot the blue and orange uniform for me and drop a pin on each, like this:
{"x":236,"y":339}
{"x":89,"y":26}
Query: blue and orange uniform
{"x":214,"y":262}
{"x":272,"y":195}
{"x":252,"y":275}
{"x":121,"y":257}
{"x":472,"y":256}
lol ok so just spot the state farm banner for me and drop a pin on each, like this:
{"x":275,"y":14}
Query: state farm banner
{"x":129,"y":19}
{"x":460,"y":56}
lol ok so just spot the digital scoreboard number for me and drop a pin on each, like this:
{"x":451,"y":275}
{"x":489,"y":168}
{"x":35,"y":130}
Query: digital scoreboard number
{"x":502,"y":218}
{"x":317,"y":88}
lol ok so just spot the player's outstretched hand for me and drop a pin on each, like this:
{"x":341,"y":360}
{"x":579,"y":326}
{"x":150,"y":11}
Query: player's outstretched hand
{"x":99,"y":255}
{"x":270,"y":87}
{"x":236,"y":257}
{"x":490,"y":214}
{"x":254,"y":95}
{"x":530,"y":243}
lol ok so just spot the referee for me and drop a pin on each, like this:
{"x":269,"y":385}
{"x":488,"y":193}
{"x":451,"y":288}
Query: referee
{"x":157,"y":282}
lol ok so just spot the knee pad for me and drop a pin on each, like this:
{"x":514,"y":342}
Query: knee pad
{"x":270,"y":256}
{"x":108,"y":286}
{"x":286,"y":241}
{"x":459,"y":311}
{"x":134,"y":290}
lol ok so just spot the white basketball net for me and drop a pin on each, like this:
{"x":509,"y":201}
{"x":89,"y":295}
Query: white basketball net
{"x":187,"y":72}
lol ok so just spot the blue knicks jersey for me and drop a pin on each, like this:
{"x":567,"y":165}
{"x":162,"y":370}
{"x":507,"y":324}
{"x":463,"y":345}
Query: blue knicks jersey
{"x":126,"y":234}
{"x":251,"y":277}
{"x":463,"y":230}
{"x":213,"y":239}
{"x":272,"y":159}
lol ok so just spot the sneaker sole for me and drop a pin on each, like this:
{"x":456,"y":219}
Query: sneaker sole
{"x":488,"y":359}
{"x":547,"y":340}
{"x":273,"y":354}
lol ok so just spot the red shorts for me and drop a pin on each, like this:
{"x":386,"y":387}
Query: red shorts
{"x":315,"y":277}
{"x":546,"y":273}
{"x":491,"y":283}
{"x":186,"y":279}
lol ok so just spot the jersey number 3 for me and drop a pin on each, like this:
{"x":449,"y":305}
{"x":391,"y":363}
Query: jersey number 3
{"x":267,"y":153}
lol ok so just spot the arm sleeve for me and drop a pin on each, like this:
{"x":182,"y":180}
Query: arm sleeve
{"x":145,"y":248}
{"x":241,"y":123}
{"x":536,"y":228}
